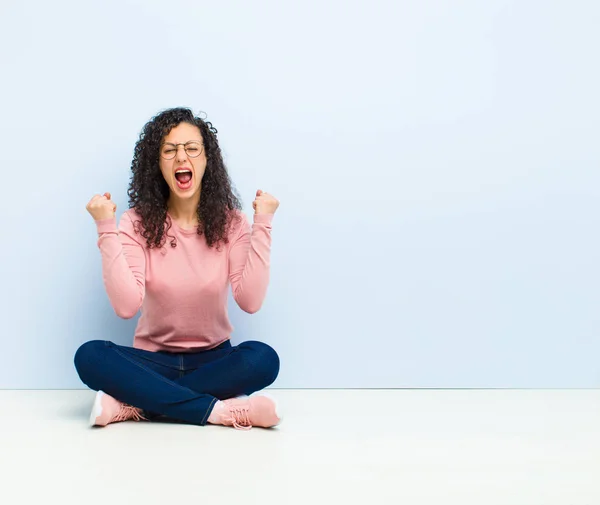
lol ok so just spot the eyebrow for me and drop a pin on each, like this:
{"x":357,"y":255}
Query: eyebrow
{"x":193,"y":140}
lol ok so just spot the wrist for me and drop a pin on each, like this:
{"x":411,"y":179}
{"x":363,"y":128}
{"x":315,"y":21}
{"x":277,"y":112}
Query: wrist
{"x":106,"y":225}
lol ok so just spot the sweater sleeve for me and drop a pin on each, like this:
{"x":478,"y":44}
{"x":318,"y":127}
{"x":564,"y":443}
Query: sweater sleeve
{"x":123,"y":265}
{"x":249,"y":262}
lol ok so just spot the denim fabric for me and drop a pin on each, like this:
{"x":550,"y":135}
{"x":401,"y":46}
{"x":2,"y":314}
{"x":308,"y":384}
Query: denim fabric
{"x":181,"y":386}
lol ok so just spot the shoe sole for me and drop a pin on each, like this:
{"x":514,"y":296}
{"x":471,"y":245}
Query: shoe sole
{"x":97,"y":408}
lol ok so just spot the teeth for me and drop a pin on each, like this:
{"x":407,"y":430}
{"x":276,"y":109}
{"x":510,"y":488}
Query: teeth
{"x":183,"y":171}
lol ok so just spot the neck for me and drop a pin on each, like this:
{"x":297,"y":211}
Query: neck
{"x":184,"y":211}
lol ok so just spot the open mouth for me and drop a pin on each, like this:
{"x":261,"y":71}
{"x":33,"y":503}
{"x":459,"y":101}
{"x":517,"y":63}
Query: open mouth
{"x":183,"y":177}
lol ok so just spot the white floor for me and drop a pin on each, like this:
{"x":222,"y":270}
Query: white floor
{"x":481,"y":447}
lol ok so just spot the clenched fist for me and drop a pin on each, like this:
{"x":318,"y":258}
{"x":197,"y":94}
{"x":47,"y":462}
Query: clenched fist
{"x":264,"y":203}
{"x":101,"y":207}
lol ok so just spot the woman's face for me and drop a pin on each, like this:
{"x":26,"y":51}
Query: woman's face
{"x":182,"y":160}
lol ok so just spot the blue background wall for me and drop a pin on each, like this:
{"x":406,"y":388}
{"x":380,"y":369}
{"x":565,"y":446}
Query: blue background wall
{"x":437,"y":165}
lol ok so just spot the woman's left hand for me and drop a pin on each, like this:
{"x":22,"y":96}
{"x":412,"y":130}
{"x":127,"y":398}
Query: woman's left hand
{"x":264,"y":203}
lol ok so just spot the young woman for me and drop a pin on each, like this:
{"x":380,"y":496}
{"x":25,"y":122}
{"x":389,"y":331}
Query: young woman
{"x":183,"y":241}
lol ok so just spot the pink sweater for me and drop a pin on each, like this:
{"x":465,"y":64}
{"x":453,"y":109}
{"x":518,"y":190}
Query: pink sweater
{"x":182,"y":292}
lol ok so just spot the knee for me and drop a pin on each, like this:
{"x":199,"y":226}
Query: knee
{"x":87,"y":358}
{"x":265,"y":360}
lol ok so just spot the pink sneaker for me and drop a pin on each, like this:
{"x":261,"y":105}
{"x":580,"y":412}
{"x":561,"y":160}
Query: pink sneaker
{"x":107,"y":410}
{"x":244,"y":413}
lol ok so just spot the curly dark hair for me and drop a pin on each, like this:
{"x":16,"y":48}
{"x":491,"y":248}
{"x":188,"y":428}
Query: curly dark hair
{"x":148,"y":191}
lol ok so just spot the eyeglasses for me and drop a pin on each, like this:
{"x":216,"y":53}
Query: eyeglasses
{"x":193,"y":149}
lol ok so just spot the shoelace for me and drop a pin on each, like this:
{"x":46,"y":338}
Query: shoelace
{"x":239,"y":417}
{"x":127,"y":412}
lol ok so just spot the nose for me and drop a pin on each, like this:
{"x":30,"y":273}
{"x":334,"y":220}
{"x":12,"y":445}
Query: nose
{"x":181,"y":154}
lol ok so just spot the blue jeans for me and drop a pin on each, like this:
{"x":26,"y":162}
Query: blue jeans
{"x":182,"y":386}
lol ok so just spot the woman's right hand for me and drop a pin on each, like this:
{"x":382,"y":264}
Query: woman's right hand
{"x":101,"y":207}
